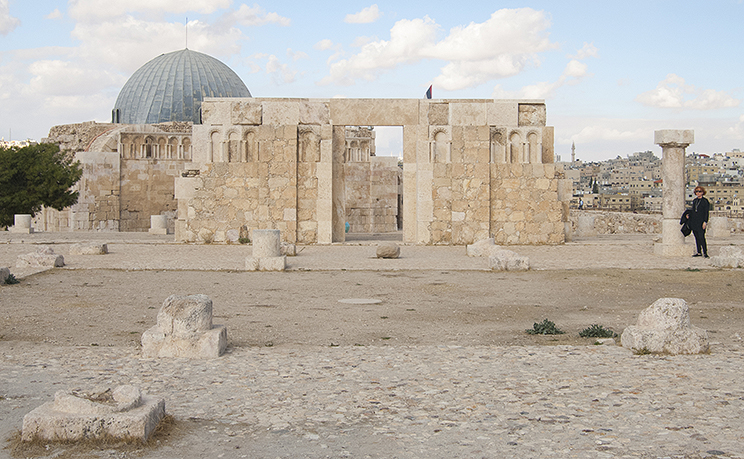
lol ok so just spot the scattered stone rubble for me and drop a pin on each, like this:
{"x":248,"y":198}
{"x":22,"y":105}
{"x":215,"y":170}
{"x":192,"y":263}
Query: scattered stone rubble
{"x":388,"y":250}
{"x":728,"y":257}
{"x":89,"y":248}
{"x":506,"y":260}
{"x":44,"y":257}
{"x":124,"y":413}
{"x":664,"y":328}
{"x":184,"y":329}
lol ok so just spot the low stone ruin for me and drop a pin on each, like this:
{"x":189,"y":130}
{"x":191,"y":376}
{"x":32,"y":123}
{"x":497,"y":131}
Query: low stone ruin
{"x":388,"y":250}
{"x":124,"y":413}
{"x":89,"y":248}
{"x":728,"y":257}
{"x":44,"y":257}
{"x":482,"y":248}
{"x":664,"y":328}
{"x":267,"y":252}
{"x":506,"y":260}
{"x":184,"y":329}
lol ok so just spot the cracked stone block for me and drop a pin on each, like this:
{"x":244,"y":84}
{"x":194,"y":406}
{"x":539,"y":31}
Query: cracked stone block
{"x":88,"y":248}
{"x":664,"y":328}
{"x":42,"y":258}
{"x":123,"y":413}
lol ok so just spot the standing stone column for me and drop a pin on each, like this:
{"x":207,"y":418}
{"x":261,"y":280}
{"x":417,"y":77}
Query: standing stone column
{"x":673,"y":144}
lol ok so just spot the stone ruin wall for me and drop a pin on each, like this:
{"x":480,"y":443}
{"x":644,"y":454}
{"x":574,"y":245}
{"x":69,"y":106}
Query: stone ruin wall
{"x":372,"y":195}
{"x":124,"y":182}
{"x":471,"y":169}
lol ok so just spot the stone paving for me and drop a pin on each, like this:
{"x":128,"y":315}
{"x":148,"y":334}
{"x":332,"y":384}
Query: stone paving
{"x":404,"y":401}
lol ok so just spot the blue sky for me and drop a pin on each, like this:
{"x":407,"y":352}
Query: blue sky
{"x":611,"y":72}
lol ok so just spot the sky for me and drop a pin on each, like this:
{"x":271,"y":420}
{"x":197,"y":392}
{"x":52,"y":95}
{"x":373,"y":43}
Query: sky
{"x":610,"y":72}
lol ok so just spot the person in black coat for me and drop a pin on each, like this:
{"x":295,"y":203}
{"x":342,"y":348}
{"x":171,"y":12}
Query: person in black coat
{"x":698,"y":220}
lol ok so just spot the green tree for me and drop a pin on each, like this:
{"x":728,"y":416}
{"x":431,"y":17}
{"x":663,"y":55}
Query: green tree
{"x":595,"y":187}
{"x":35,"y":176}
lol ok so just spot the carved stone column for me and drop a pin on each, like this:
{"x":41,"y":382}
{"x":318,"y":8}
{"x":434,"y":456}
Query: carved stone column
{"x":673,"y":144}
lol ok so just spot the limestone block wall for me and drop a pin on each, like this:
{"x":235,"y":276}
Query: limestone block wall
{"x":372,"y":195}
{"x":146,"y":187}
{"x":525,"y":206}
{"x":471,"y":169}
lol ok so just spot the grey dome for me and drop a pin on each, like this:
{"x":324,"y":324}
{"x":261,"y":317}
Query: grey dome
{"x":171,"y":87}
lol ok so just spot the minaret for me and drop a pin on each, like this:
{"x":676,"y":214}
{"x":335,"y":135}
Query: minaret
{"x":573,"y":152}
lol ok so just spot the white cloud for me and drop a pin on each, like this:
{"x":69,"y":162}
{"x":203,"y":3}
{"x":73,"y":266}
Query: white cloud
{"x":296,"y":55}
{"x":96,"y":10}
{"x":324,"y":44}
{"x":673,"y":92}
{"x":572,"y":74}
{"x":501,"y":46}
{"x":589,"y":50}
{"x":253,"y":16}
{"x":8,"y":23}
{"x":56,"y":14}
{"x":367,"y":15}
{"x":280,"y":73}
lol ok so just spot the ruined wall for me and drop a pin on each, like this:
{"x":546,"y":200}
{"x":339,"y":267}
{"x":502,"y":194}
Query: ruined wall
{"x":372,"y":195}
{"x":525,"y":206}
{"x":471,"y":169}
{"x":146,"y":188}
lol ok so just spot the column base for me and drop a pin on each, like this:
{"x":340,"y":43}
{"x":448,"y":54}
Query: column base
{"x":673,"y":250}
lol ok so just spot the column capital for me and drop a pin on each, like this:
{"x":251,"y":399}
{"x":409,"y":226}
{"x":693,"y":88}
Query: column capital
{"x":674,"y":138}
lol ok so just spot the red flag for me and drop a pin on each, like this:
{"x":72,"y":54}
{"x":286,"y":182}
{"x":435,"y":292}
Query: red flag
{"x":428,"y":93}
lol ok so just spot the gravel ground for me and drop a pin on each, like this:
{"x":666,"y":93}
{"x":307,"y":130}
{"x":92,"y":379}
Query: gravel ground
{"x":440,"y":367}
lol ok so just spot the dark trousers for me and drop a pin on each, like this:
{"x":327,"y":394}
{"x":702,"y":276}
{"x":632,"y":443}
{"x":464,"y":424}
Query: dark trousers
{"x":702,"y":246}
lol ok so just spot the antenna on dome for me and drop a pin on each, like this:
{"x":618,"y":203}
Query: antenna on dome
{"x":187,"y":32}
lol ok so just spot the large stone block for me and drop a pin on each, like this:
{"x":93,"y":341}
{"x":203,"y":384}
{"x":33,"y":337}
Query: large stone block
{"x":482,"y":248}
{"x":44,"y":257}
{"x":664,"y":328}
{"x":388,"y":250}
{"x":506,"y":260}
{"x":4,"y":273}
{"x":89,"y":248}
{"x":728,"y":257}
{"x":184,"y":329}
{"x":124,"y":413}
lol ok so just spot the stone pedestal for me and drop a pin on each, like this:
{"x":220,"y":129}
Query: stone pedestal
{"x":673,"y":144}
{"x":267,"y":251}
{"x":22,"y":224}
{"x":158,"y":224}
{"x":185,"y":329}
{"x":125,"y":414}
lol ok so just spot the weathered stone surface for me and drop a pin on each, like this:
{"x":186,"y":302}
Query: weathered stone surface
{"x":266,"y":263}
{"x":506,"y":260}
{"x":266,"y":243}
{"x":289,"y":250}
{"x":4,"y":273}
{"x":22,"y":224}
{"x":184,"y":329}
{"x":388,"y":250}
{"x":89,"y":248}
{"x":728,"y":257}
{"x":44,"y":257}
{"x":482,"y":248}
{"x":122,"y":413}
{"x":664,"y":328}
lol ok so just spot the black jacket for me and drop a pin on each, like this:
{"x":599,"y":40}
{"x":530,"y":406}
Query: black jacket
{"x":699,"y":213}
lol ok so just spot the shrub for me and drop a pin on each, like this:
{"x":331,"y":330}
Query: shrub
{"x":11,"y":279}
{"x":546,"y":327}
{"x":597,"y":331}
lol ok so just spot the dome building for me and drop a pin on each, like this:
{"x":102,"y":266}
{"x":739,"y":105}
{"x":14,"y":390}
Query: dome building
{"x":171,"y":87}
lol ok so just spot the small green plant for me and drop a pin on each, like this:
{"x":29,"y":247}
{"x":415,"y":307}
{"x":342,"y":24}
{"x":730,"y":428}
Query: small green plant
{"x":642,"y":351}
{"x":244,"y":240}
{"x":597,"y":331}
{"x":11,"y":279}
{"x":546,"y":327}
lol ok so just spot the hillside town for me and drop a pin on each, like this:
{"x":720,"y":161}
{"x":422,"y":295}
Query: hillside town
{"x":635,"y":183}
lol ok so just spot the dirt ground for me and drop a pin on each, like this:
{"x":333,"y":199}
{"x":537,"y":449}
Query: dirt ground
{"x":105,"y":307}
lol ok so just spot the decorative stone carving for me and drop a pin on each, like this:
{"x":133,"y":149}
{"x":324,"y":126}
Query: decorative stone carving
{"x":388,"y":250}
{"x":123,"y":413}
{"x":664,"y":328}
{"x":44,"y":257}
{"x":506,"y":260}
{"x":184,"y":329}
